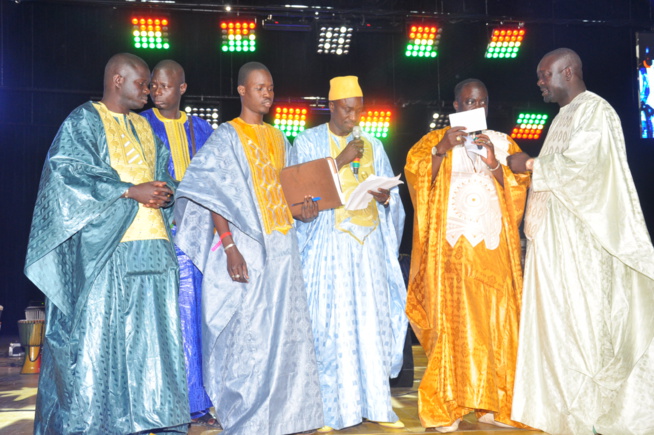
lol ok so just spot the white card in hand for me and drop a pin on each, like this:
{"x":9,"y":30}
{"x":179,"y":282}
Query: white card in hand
{"x":472,"y":120}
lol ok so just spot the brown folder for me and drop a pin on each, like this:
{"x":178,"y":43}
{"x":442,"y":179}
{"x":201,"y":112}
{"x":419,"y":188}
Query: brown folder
{"x":317,"y":178}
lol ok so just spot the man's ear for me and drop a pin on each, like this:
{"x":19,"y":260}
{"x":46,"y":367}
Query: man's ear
{"x":456,"y":105}
{"x":117,"y":80}
{"x":241,"y":90}
{"x":182,"y":88}
{"x":567,"y":73}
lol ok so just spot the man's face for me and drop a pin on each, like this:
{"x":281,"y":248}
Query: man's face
{"x":166,"y":89}
{"x":134,"y":89}
{"x":551,"y":79}
{"x":258,"y":92}
{"x":345,"y":114}
{"x":473,"y":96}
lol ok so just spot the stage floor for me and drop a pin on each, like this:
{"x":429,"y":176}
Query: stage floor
{"x":18,"y":398}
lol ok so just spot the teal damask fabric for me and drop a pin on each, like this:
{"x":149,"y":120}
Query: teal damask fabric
{"x":112,"y":358}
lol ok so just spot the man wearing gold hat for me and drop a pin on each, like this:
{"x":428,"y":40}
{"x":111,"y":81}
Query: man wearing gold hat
{"x":351,"y":270}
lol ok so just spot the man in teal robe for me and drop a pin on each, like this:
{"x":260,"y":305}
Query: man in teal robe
{"x":100,"y":251}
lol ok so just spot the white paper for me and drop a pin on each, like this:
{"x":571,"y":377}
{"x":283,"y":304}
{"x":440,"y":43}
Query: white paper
{"x":360,"y":197}
{"x":472,"y":148}
{"x":472,"y":120}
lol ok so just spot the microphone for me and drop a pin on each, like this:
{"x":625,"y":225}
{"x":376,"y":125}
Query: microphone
{"x":356,"y":132}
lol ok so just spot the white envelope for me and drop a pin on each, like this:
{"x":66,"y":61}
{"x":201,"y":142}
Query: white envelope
{"x":472,"y":120}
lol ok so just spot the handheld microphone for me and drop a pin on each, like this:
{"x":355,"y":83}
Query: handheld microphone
{"x":356,"y":132}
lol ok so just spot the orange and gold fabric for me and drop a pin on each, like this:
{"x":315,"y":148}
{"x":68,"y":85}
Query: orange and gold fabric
{"x":133,"y":154}
{"x":265,"y":150}
{"x":463,"y":301}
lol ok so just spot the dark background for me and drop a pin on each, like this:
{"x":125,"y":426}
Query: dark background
{"x":52,"y":56}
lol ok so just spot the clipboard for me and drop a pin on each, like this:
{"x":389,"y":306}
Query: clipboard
{"x":317,"y":178}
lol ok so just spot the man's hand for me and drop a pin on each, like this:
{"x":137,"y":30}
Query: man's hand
{"x":483,"y":140}
{"x":382,"y":195}
{"x":353,"y":150}
{"x":153,"y":194}
{"x":309,"y":210}
{"x":518,"y":162}
{"x":453,"y":137}
{"x":236,"y":266}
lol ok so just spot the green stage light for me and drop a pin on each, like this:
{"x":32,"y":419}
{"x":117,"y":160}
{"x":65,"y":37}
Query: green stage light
{"x":376,"y":122}
{"x":423,"y":40}
{"x":290,"y":120}
{"x":150,"y":33}
{"x":505,"y":43}
{"x":529,"y":126}
{"x":238,"y":36}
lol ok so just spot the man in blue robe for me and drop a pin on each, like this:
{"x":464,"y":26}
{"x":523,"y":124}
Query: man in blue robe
{"x":101,"y":252}
{"x":350,"y":263}
{"x":183,"y":135}
{"x":259,"y":363}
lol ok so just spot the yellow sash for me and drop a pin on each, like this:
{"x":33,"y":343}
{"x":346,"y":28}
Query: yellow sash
{"x":266,"y":154}
{"x":367,"y":217}
{"x":178,"y":142}
{"x":132,"y":153}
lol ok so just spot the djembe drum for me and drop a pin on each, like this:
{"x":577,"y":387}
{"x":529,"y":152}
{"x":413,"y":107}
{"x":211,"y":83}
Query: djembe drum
{"x":31,"y":338}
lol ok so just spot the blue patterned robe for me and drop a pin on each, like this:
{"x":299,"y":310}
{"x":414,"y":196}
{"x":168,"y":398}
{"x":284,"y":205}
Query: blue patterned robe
{"x":190,"y":278}
{"x":357,"y":297}
{"x":259,"y":363}
{"x":112,"y":355}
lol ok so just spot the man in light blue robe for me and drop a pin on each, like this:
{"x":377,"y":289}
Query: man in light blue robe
{"x":259,"y":364}
{"x":101,"y":252}
{"x":183,"y":135}
{"x":350,"y":263}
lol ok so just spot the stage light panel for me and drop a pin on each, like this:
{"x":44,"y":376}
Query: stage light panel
{"x":211,"y":114}
{"x":438,"y":121}
{"x":291,"y":120}
{"x":238,"y":36}
{"x":529,"y":126}
{"x":505,"y":43}
{"x":376,"y":122}
{"x":334,"y":40}
{"x":150,"y":33}
{"x":423,"y":40}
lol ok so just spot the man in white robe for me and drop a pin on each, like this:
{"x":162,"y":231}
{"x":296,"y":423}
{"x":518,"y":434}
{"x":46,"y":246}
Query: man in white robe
{"x":585,"y":354}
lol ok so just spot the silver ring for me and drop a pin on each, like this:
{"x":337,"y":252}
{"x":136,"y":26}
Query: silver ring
{"x":237,"y":276}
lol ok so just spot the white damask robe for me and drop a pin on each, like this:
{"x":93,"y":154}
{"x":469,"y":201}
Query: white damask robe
{"x":585,"y":357}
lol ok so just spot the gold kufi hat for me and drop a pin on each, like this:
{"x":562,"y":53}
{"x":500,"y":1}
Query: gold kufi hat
{"x":344,"y":87}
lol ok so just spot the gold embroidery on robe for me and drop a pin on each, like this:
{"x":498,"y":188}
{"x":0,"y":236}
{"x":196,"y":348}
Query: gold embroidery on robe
{"x":133,"y":157}
{"x":178,"y":142}
{"x":265,"y":151}
{"x":367,"y":217}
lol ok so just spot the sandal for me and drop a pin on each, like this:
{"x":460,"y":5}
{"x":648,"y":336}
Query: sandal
{"x":206,"y":420}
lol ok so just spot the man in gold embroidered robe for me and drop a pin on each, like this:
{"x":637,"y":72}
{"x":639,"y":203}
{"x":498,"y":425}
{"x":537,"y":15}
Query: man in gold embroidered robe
{"x":183,"y":135}
{"x":101,"y":252}
{"x":465,"y":281}
{"x":259,"y":363}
